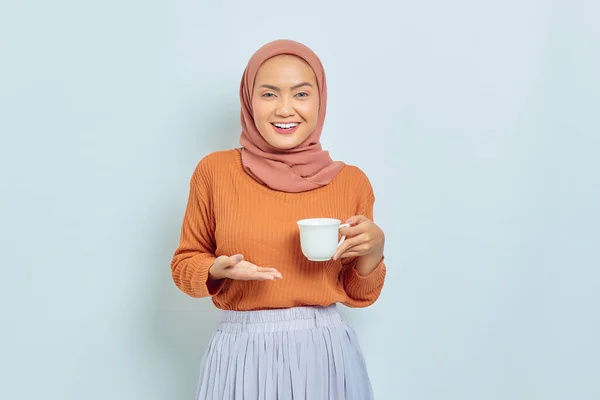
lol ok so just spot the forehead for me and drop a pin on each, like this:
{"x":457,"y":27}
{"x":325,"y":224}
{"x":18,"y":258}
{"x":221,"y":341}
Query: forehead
{"x":285,"y":68}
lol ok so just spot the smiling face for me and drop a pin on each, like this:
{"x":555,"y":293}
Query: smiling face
{"x":285,"y":101}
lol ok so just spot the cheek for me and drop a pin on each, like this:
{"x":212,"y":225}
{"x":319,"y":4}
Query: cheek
{"x":260,"y":113}
{"x":310,"y":112}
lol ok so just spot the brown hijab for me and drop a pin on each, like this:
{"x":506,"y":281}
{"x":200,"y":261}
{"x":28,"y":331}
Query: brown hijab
{"x":302,"y":168}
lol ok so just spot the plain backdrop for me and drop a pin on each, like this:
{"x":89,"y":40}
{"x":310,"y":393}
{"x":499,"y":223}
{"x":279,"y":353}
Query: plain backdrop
{"x":478,"y":123}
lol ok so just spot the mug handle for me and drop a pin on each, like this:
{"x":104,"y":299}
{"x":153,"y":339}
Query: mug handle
{"x":343,"y":237}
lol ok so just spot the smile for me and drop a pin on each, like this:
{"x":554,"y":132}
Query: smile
{"x":285,"y":128}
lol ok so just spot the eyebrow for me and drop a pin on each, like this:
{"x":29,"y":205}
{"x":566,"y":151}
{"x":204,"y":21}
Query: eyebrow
{"x":292,"y":88}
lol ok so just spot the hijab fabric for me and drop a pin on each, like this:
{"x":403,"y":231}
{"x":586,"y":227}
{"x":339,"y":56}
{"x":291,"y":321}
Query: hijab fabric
{"x":302,"y":168}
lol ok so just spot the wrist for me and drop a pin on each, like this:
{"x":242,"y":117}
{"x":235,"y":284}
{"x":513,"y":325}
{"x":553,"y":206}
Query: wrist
{"x":367,"y":263}
{"x":215,"y":273}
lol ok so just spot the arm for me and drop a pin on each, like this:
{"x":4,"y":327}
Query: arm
{"x":363,"y":276}
{"x":195,"y":254}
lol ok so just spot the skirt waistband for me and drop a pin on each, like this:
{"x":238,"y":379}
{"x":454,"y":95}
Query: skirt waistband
{"x":277,"y":320}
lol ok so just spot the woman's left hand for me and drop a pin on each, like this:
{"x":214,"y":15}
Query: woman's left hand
{"x":363,"y":237}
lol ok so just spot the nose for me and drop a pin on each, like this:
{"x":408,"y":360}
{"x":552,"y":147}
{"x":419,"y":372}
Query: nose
{"x":284,"y":107}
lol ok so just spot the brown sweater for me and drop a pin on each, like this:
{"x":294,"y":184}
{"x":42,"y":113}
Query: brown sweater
{"x":228,"y":213}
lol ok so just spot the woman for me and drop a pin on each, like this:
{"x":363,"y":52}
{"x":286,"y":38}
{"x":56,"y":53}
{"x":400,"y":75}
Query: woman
{"x":281,"y":336}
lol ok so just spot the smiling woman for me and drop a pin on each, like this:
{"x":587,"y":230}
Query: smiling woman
{"x":281,"y":335}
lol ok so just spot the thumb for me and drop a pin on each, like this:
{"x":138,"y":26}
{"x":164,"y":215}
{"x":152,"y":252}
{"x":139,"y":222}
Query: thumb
{"x":232,"y":260}
{"x":228,"y":261}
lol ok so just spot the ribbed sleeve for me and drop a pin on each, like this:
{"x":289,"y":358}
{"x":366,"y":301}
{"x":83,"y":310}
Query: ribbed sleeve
{"x":195,"y":254}
{"x":363,"y":291}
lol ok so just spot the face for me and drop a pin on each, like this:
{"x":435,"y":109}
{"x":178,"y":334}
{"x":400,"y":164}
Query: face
{"x":285,"y":101}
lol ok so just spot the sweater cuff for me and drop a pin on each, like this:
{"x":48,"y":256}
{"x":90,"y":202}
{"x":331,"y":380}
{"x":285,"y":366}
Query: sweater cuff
{"x":363,"y":286}
{"x":202,"y":284}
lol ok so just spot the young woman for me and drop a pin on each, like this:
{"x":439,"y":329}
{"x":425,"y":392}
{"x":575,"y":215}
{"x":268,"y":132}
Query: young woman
{"x":281,"y":335}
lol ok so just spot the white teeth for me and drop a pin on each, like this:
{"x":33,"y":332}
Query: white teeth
{"x":286,"y":126}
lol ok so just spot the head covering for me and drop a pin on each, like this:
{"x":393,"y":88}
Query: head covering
{"x":302,"y":168}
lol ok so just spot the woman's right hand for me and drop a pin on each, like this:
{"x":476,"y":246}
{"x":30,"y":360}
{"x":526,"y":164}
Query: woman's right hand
{"x":235,"y":267}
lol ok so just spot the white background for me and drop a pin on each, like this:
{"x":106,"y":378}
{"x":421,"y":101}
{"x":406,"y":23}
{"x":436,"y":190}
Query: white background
{"x":477,"y":123}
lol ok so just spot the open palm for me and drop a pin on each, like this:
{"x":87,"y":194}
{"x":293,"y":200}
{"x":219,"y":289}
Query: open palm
{"x":246,"y":271}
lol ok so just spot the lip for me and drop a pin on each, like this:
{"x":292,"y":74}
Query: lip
{"x":285,"y":131}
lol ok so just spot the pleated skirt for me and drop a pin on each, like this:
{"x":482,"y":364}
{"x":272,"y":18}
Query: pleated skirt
{"x":295,"y":353}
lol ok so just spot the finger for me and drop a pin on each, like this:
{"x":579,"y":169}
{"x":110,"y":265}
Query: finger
{"x":275,"y":274}
{"x":354,"y":230}
{"x":253,"y":276}
{"x":350,"y":243}
{"x":351,"y":254}
{"x":272,"y":271}
{"x":342,"y":249}
{"x":263,"y":269}
{"x":267,"y":276}
{"x":356,"y":219}
{"x":355,"y":251}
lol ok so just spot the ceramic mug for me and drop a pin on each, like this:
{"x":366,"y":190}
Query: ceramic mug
{"x":319,"y":237}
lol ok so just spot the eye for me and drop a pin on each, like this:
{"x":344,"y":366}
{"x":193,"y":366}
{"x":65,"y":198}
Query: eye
{"x":268,"y":95}
{"x":302,"y":94}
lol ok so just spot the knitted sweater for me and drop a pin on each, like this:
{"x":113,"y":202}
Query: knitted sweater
{"x":228,"y":212}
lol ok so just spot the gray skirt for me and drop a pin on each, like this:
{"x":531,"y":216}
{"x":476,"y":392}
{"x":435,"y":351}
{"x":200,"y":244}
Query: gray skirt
{"x":296,"y":353}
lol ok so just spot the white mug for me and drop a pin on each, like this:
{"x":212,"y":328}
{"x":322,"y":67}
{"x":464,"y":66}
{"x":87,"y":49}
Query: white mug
{"x":319,"y":237}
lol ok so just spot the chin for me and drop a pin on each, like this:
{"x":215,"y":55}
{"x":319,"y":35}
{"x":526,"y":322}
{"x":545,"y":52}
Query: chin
{"x":284,"y":142}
